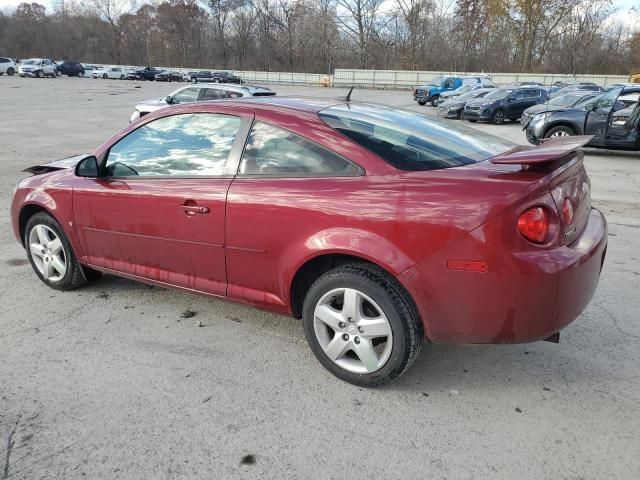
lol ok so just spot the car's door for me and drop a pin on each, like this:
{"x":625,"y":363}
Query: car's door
{"x":157,"y":210}
{"x":277,"y":201}
{"x":514,"y":104}
{"x":597,"y":118}
{"x":624,"y":123}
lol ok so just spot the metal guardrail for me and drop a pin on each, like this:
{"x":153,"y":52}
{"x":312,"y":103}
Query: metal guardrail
{"x":409,"y":79}
{"x":392,"y":79}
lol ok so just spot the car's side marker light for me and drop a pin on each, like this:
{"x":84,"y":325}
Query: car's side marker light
{"x":468,"y":266}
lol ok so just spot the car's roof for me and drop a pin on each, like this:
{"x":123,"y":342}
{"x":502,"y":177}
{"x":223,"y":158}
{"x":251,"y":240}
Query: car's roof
{"x":304,"y":104}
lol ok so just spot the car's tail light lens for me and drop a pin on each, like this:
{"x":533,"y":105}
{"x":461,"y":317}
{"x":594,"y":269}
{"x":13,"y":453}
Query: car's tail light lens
{"x":567,"y":211}
{"x":533,"y":224}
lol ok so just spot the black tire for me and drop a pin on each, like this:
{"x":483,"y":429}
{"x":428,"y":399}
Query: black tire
{"x":435,"y":100}
{"x":397,"y":305}
{"x":121,"y":77}
{"x":194,"y":80}
{"x":104,"y":76}
{"x":40,"y":74}
{"x":422,"y":102}
{"x":216,"y":80}
{"x":74,"y":276}
{"x":10,"y":71}
{"x":472,"y":120}
{"x":559,"y":131}
{"x":498,"y":117}
{"x":80,"y":74}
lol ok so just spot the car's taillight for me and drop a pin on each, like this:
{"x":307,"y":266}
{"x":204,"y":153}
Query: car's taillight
{"x":567,"y":211}
{"x":533,"y":224}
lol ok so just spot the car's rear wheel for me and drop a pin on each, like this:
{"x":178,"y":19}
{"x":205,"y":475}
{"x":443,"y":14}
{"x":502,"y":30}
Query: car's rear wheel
{"x":498,"y":117}
{"x":422,"y":102}
{"x":121,"y":77}
{"x":80,"y":74}
{"x":361,"y":325}
{"x":560,"y":131}
{"x":104,"y":76}
{"x":40,"y":74}
{"x":50,"y":253}
{"x":10,"y":71}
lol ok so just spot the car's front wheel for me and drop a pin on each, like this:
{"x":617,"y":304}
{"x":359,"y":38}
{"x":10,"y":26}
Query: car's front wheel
{"x":50,"y":253}
{"x":498,"y":117}
{"x":435,"y":101}
{"x":361,"y":325}
{"x":560,"y":131}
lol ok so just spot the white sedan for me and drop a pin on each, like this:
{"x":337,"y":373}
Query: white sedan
{"x":116,"y":73}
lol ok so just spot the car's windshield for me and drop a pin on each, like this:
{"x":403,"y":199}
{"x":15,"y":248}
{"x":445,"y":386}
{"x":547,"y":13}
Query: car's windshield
{"x":30,"y":62}
{"x":410,"y":141}
{"x":463,"y":89}
{"x":499,"y":93}
{"x":565,"y":100}
{"x":467,"y":96}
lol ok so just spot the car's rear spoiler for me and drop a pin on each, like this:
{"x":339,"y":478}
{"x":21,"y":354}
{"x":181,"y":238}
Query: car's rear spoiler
{"x":547,"y":152}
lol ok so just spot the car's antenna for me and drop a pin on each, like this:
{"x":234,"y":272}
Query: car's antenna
{"x":348,"y":97}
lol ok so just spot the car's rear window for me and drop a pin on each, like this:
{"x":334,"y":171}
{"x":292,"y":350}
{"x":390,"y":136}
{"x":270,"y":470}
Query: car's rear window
{"x":410,"y":141}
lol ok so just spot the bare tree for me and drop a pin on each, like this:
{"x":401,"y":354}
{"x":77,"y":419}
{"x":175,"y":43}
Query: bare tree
{"x":358,"y":20}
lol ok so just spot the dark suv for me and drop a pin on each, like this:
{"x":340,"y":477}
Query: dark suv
{"x":504,"y":104}
{"x":72,"y":69}
{"x":215,"y":77}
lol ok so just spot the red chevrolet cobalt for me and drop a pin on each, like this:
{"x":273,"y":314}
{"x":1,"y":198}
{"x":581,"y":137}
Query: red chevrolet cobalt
{"x":378,"y":227}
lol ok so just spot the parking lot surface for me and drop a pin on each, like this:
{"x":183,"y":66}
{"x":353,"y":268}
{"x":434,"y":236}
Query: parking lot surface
{"x":109,"y":381}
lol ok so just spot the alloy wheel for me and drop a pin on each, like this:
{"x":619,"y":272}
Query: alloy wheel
{"x":352,"y":330}
{"x":498,"y":117}
{"x":559,"y":133}
{"x":47,"y":253}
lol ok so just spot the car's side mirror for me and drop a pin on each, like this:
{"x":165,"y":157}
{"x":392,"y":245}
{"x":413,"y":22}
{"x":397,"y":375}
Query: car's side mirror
{"x":87,"y":167}
{"x":168,"y":99}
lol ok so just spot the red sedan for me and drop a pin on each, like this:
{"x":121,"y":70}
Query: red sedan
{"x":378,"y":227}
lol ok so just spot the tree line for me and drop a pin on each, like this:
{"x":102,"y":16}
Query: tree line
{"x":550,"y":36}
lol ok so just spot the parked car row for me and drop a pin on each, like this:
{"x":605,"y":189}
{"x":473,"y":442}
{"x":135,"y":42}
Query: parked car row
{"x":46,"y":67}
{"x":434,"y":91}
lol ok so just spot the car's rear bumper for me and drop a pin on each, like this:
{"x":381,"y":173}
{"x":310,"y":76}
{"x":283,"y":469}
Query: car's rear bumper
{"x":525,"y":294}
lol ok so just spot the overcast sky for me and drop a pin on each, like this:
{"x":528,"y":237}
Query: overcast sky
{"x":621,"y":5}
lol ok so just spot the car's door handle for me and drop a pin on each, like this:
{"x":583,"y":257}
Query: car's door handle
{"x":193,"y":209}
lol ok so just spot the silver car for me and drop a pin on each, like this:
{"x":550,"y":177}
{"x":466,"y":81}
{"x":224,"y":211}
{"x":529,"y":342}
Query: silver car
{"x":199,"y":93}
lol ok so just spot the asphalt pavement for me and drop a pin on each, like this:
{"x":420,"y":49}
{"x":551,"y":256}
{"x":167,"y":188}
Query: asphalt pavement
{"x":109,"y":381}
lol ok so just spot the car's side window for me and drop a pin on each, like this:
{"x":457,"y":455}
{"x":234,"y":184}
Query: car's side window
{"x":608,"y":99}
{"x":274,"y":151}
{"x":187,"y":95}
{"x":212,"y":94}
{"x":518,"y":95}
{"x":180,"y":145}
